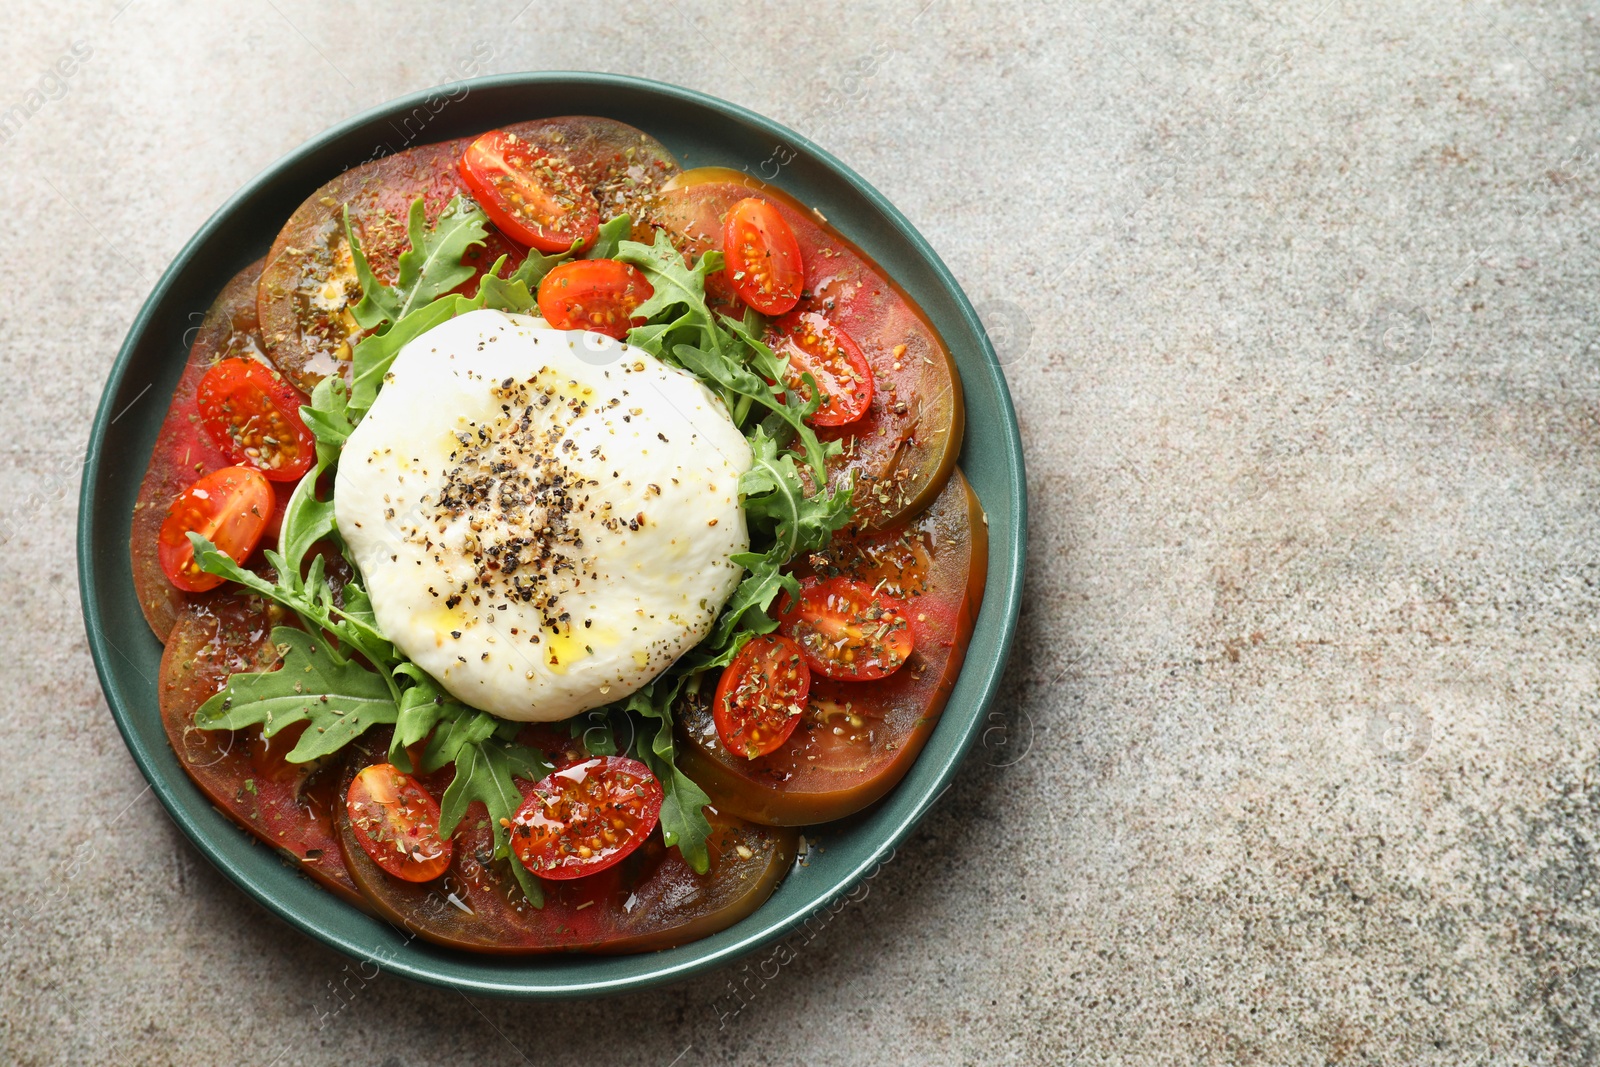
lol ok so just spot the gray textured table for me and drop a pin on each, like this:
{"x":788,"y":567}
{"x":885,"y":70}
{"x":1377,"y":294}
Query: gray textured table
{"x":1296,"y":761}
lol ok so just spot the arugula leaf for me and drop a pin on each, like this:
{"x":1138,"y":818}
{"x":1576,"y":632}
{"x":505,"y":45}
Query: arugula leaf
{"x":728,"y":355}
{"x":328,"y":418}
{"x":310,"y":598}
{"x":741,"y":380}
{"x":595,"y":730}
{"x":775,"y":500}
{"x":518,"y":291}
{"x":338,"y":697}
{"x":612,"y":233}
{"x":527,"y":763}
{"x":469,"y":727}
{"x":422,"y":706}
{"x":674,"y":283}
{"x":683,"y":817}
{"x":430,"y":267}
{"x":306,"y":520}
{"x":533,"y":269}
{"x":504,"y":294}
{"x":486,"y":770}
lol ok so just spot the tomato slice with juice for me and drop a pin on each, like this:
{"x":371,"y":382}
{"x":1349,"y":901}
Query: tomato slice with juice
{"x":288,"y":806}
{"x":184,"y":450}
{"x":309,"y":284}
{"x":857,"y":739}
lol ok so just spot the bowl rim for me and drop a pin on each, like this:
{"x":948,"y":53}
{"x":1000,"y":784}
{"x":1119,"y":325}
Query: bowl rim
{"x":670,"y":965}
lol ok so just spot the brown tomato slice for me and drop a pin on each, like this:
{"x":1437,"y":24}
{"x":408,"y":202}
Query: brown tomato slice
{"x":309,"y":285}
{"x":289,"y":806}
{"x":903,"y":448}
{"x":650,"y":900}
{"x":184,"y":451}
{"x":856,"y":739}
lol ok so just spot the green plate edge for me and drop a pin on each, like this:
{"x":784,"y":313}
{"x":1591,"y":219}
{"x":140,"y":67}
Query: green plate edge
{"x":991,"y":457}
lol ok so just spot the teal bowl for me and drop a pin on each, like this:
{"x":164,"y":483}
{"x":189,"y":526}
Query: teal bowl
{"x":702,"y":131}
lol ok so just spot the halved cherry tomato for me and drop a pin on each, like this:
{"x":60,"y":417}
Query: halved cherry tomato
{"x":847,"y":630}
{"x":761,"y":696}
{"x":586,"y":816}
{"x":253,"y":415}
{"x":763,"y":261}
{"x":532,"y":195}
{"x":396,"y":821}
{"x":593,"y":294}
{"x":814,"y":345}
{"x":229,"y":508}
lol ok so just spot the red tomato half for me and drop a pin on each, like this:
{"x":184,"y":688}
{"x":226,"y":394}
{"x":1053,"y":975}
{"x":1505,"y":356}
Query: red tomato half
{"x":761,"y":696}
{"x":593,"y":294}
{"x":253,"y":415}
{"x":847,"y":630}
{"x":816,"y":346}
{"x":533,"y":196}
{"x":763,"y":257}
{"x":229,"y":508}
{"x":586,"y":816}
{"x":396,"y":822}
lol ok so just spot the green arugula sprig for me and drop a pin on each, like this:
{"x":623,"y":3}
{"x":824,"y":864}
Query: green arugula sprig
{"x":729,"y":355}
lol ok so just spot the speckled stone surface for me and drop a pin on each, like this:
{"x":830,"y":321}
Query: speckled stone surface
{"x":1296,"y":761}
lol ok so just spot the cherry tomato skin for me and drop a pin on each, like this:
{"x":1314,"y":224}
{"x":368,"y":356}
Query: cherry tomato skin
{"x":763,"y":257}
{"x":253,"y":415}
{"x":814,"y":345}
{"x":533,"y":196}
{"x":230,"y":508}
{"x":848,"y":631}
{"x":594,"y":294}
{"x":396,"y":822}
{"x":584,"y":817}
{"x":761,"y":696}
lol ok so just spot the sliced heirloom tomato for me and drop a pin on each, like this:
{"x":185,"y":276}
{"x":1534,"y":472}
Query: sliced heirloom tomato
{"x":815,"y":346}
{"x":761,"y":696}
{"x":253,"y":415}
{"x":858,"y":738}
{"x":309,"y":285}
{"x":289,"y":806}
{"x":649,"y":900}
{"x":396,"y":822}
{"x":763,"y":258}
{"x":184,"y":450}
{"x":534,"y":195}
{"x":847,"y":629}
{"x":594,"y":294}
{"x":902,"y":449}
{"x":229,"y":508}
{"x":584,"y":817}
